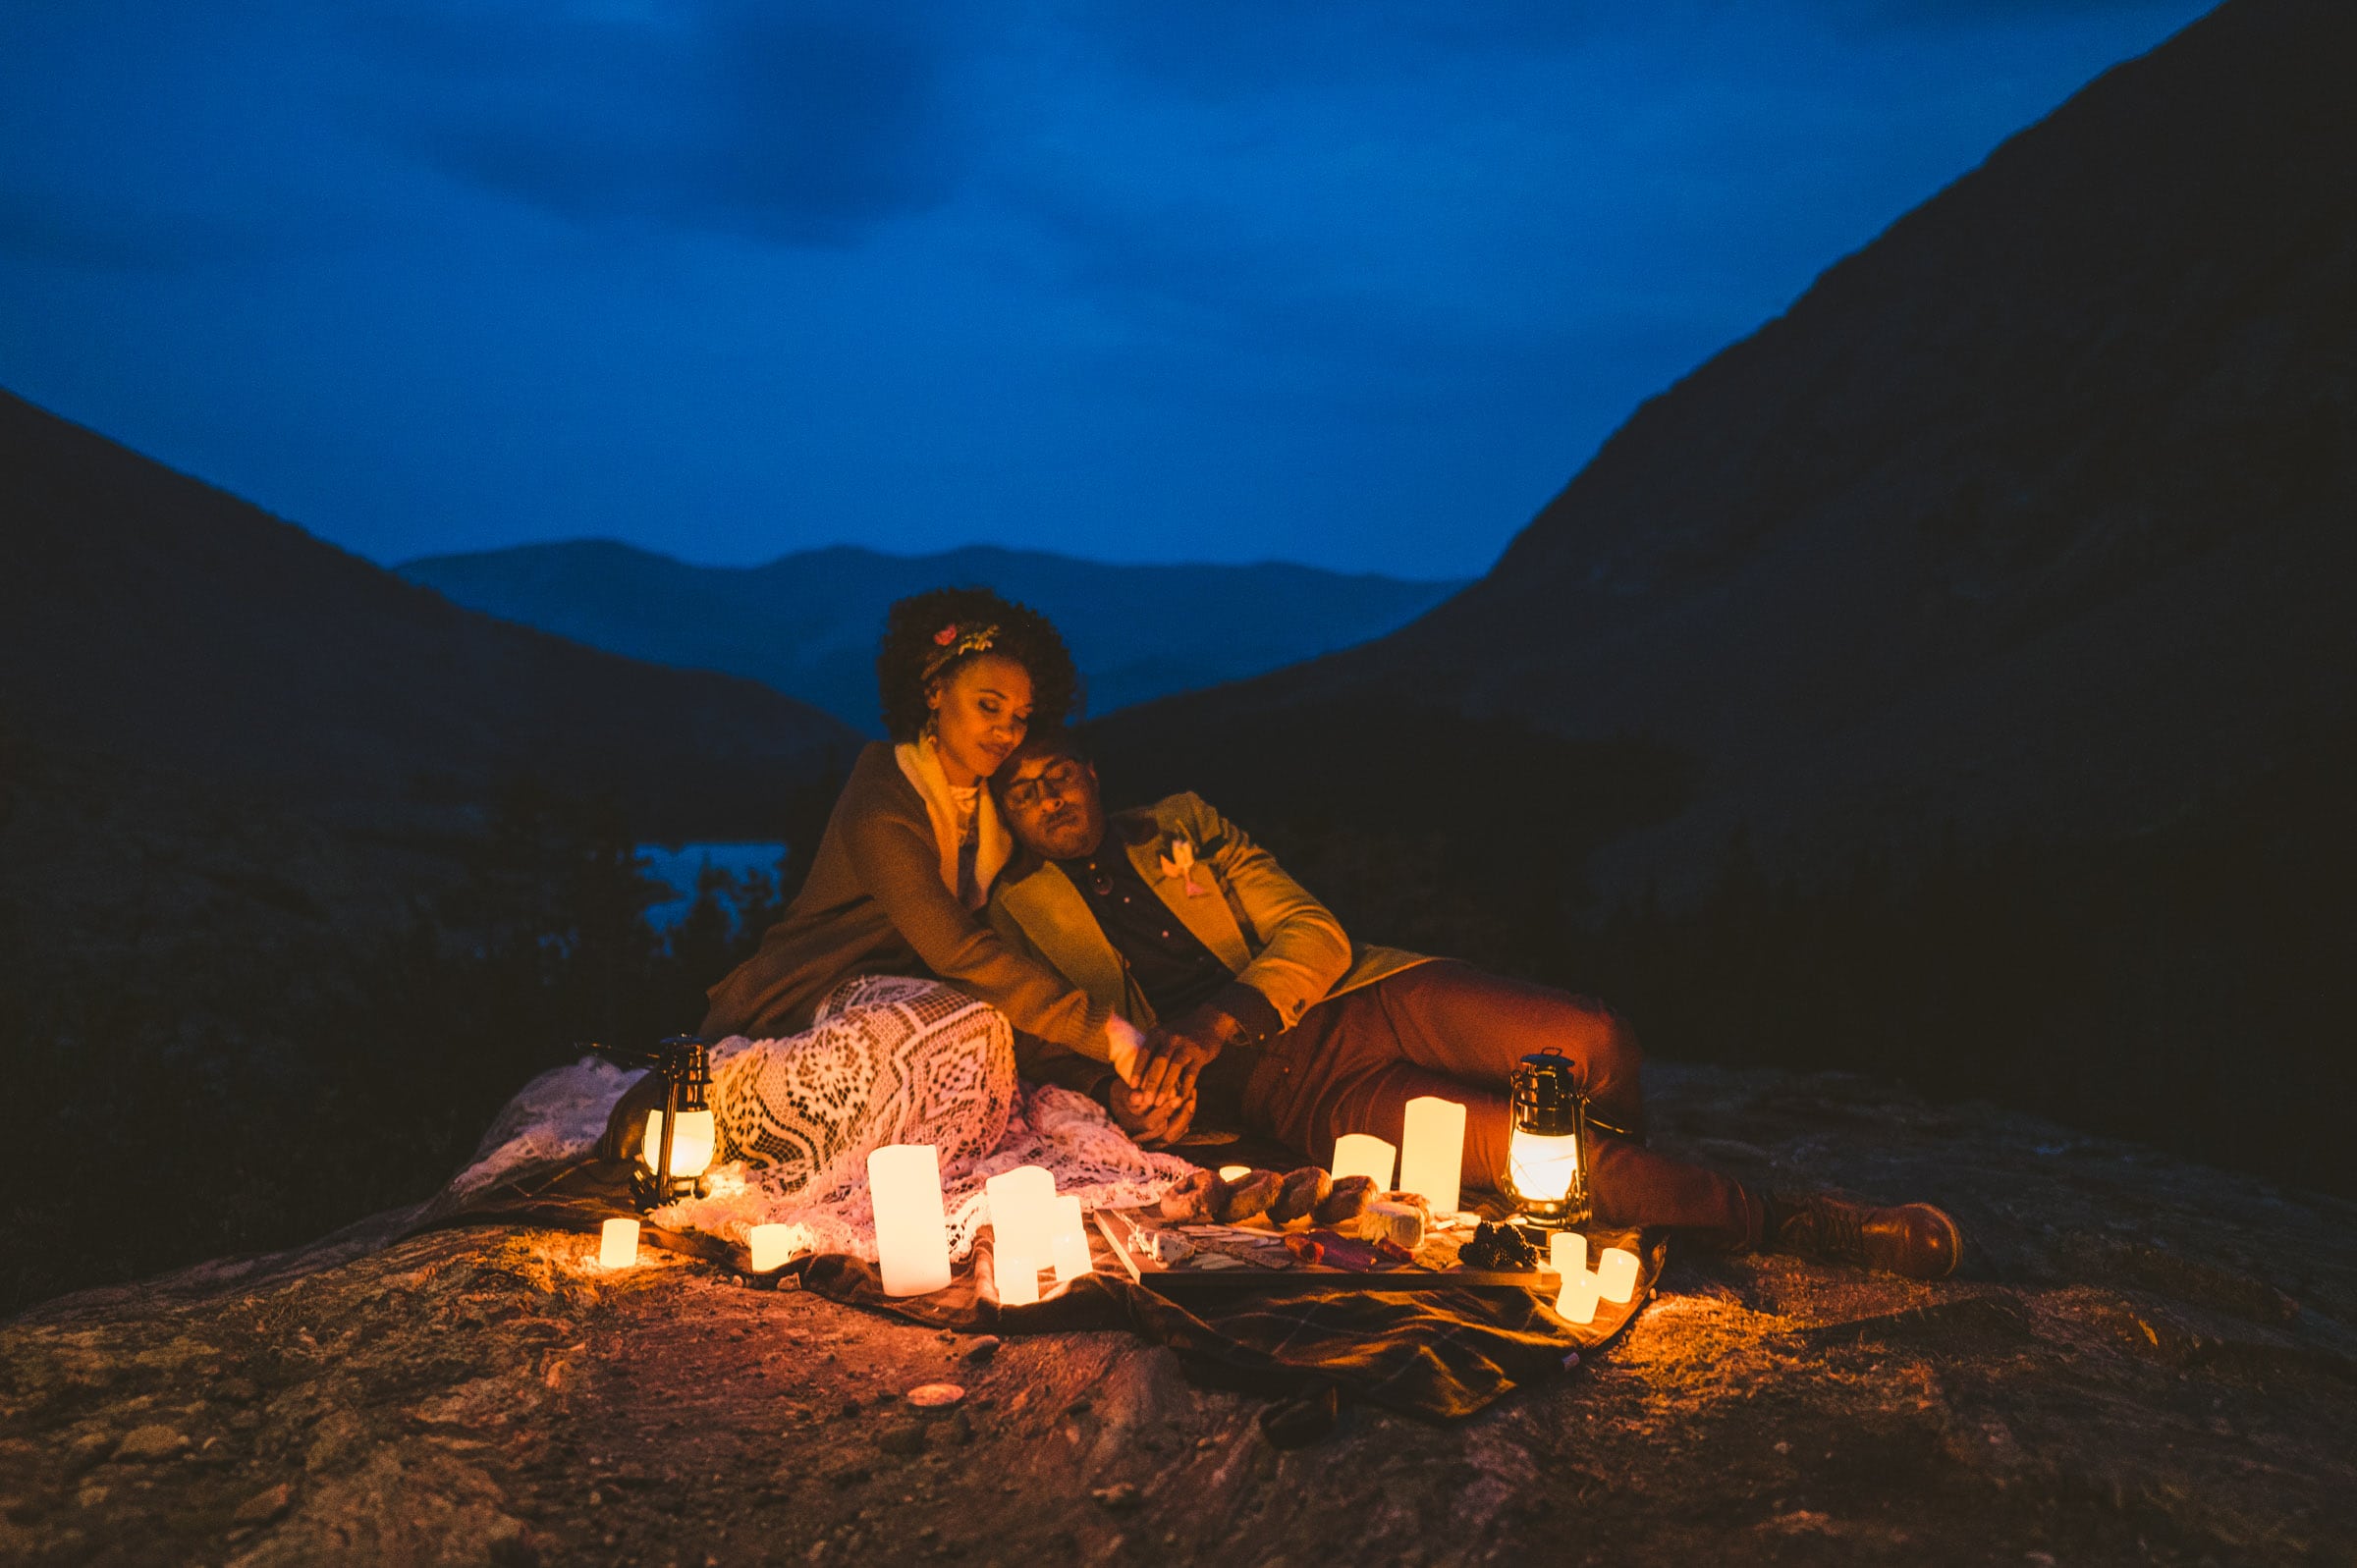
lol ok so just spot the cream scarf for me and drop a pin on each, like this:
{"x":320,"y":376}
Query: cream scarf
{"x":921,"y":766}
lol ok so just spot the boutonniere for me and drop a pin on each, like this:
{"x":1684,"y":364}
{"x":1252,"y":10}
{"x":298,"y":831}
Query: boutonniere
{"x":1179,"y":863}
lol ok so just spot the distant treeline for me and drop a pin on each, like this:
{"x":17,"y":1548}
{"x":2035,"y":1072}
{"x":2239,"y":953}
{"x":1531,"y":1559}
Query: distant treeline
{"x":212,"y":1098}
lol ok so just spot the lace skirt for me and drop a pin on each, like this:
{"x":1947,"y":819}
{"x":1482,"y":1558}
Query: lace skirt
{"x":890,"y":1059}
{"x":887,"y":1060}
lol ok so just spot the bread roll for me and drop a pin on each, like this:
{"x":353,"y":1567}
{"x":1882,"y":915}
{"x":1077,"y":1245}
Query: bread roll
{"x":1191,"y":1200}
{"x":1233,"y":1202}
{"x":1302,"y":1193}
{"x":1345,"y":1201}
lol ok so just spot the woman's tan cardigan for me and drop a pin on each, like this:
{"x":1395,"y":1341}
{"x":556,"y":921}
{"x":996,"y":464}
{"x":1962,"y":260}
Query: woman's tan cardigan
{"x":875,"y":904}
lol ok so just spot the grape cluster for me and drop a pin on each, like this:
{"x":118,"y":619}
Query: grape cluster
{"x":1498,"y":1246}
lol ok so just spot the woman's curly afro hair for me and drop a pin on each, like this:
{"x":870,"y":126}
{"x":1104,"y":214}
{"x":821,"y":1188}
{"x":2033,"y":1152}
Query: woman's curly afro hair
{"x":912,"y":641}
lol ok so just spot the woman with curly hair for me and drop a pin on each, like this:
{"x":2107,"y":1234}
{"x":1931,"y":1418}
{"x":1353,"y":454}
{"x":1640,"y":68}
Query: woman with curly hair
{"x":882,"y":1009}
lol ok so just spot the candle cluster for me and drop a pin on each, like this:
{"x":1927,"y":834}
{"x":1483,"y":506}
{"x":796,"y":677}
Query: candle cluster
{"x":1033,"y":1228}
{"x":1429,"y":1162}
{"x":1613,"y":1279}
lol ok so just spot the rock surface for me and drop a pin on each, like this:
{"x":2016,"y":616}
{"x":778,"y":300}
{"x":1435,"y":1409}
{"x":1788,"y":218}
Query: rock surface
{"x":2143,"y":1360}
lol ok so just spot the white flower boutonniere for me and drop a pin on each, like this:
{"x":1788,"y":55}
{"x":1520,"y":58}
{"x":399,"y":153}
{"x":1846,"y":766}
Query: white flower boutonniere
{"x":1177,"y":861}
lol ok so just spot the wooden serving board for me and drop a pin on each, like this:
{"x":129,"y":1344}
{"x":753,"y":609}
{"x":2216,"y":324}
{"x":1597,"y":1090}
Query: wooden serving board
{"x":1253,"y":1256}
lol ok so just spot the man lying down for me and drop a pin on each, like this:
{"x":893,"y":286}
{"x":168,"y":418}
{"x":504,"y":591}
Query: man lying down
{"x":1260,"y":1014}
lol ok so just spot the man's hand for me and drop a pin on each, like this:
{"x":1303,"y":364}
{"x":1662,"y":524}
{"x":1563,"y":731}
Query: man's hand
{"x":1150,"y":1123}
{"x":1167,"y":1062}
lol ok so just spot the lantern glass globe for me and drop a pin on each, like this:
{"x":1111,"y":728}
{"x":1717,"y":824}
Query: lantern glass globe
{"x":691,"y":1143}
{"x":1542,"y":1168}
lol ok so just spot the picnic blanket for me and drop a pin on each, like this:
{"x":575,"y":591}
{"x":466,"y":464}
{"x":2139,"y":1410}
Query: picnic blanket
{"x":1441,"y":1354}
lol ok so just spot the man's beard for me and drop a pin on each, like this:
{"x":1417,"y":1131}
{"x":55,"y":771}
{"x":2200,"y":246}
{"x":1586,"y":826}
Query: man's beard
{"x":1068,"y":835}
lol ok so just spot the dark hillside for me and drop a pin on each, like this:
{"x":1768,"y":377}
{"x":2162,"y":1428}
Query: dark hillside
{"x":144,"y":614}
{"x":304,"y":871}
{"x":1993,"y":608}
{"x":2038,"y":514}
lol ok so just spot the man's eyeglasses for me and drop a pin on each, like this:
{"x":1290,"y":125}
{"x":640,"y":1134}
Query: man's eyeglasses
{"x":1057,"y":776}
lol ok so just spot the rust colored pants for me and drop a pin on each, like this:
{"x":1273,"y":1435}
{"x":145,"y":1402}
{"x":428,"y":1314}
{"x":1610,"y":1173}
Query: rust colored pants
{"x":1444,"y":1028}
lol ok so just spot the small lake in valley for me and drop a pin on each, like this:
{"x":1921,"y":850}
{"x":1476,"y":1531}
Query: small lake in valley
{"x":677,"y":867}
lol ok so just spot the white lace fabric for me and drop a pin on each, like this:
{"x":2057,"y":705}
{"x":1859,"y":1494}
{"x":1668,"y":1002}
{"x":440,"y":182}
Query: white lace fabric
{"x":889,"y":1060}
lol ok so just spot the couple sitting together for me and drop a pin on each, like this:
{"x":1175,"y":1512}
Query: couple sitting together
{"x":1155,"y":959}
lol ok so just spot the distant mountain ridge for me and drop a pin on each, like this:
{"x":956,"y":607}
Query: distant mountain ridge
{"x":807,"y":623}
{"x":150,"y":617}
{"x":2037,"y":514}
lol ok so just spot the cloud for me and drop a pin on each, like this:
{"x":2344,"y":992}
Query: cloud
{"x":806,"y":124}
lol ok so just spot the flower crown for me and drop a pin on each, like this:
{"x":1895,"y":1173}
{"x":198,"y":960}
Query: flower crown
{"x":953,"y":642}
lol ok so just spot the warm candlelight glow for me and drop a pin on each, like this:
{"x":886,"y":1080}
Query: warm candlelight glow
{"x":1432,"y":1150}
{"x":618,"y":1243}
{"x":1021,"y":1209}
{"x":1616,"y":1274}
{"x":1576,"y":1301}
{"x":1235,"y":1172}
{"x":1019,"y":1279}
{"x":1568,"y":1253}
{"x":1362,"y":1153}
{"x":773,"y":1246}
{"x":912,"y":1240}
{"x":1542,"y":1168}
{"x":690,"y":1145}
{"x":1067,"y":1244}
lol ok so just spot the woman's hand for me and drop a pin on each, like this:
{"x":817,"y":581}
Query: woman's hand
{"x":1125,"y":1049}
{"x":1151,"y":1125}
{"x":1158,"y":1066}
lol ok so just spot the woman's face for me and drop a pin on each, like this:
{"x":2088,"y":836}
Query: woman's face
{"x":979,"y":714}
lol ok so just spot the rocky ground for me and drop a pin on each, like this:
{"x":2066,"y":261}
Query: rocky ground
{"x":2143,"y":1360}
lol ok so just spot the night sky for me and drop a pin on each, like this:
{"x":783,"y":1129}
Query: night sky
{"x":1354,"y":284}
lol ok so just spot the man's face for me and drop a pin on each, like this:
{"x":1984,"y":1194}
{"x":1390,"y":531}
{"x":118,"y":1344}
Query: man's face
{"x":1052,"y":805}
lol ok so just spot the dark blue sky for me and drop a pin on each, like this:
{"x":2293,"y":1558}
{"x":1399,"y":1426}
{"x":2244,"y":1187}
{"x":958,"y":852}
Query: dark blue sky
{"x":1359,"y":284}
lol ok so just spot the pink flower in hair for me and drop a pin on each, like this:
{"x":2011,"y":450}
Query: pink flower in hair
{"x":946,"y":636}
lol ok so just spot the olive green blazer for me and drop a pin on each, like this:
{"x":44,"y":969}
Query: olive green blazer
{"x":1259,"y":922}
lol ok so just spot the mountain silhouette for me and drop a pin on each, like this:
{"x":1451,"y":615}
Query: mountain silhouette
{"x":1954,"y":680}
{"x":807,"y":623}
{"x":150,"y":617}
{"x":2037,"y":514}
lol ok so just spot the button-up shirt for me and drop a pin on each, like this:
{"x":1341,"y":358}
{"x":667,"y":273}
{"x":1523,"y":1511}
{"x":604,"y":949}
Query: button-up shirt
{"x":1170,"y":963}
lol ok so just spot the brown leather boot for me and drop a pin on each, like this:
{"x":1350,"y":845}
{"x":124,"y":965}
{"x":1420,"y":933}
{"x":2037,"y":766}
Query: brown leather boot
{"x":1912,"y":1239}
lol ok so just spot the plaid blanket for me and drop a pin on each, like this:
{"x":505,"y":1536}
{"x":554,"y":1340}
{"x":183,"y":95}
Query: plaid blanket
{"x":1440,"y":1354}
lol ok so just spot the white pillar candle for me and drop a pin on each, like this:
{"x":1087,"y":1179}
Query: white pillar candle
{"x":1362,"y":1153}
{"x":1017,"y":1277}
{"x":618,"y":1243}
{"x":772,"y":1246}
{"x":1568,"y":1253}
{"x":1067,"y":1245}
{"x":1617,"y":1273}
{"x":913,"y":1240}
{"x":1576,"y":1301}
{"x":1432,"y":1150}
{"x":1020,"y":1205}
